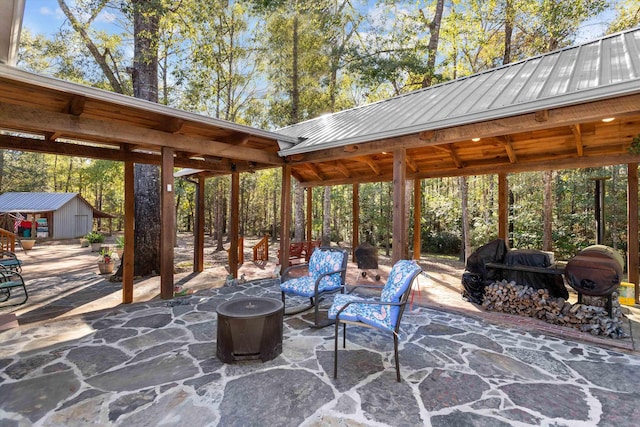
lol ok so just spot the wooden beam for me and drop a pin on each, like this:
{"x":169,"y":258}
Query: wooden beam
{"x":285,"y":217}
{"x":75,"y":107}
{"x":33,"y":120}
{"x":558,"y":117}
{"x":503,"y":207}
{"x":76,"y":150}
{"x":172,"y":125}
{"x":577,"y":133}
{"x":168,"y":221}
{"x":355,"y":214}
{"x":198,"y":250}
{"x":129,"y":224}
{"x":542,"y":116}
{"x":417,"y":218}
{"x":234,"y":228}
{"x":632,"y":228}
{"x":399,"y":207}
{"x":309,"y":222}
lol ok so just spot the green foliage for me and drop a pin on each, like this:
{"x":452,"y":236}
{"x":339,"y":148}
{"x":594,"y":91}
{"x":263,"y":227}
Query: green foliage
{"x":94,"y":237}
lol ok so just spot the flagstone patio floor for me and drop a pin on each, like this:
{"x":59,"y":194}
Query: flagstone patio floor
{"x":78,"y":357}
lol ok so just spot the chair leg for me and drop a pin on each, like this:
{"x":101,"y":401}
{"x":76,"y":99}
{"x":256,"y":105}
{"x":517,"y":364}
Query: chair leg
{"x":395,"y":348}
{"x":344,"y":335}
{"x":335,"y":350}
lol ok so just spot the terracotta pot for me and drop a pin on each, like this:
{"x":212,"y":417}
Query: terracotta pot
{"x":106,"y":267}
{"x":27,"y":244}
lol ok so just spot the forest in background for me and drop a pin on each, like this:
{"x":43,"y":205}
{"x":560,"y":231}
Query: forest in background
{"x":270,"y":63}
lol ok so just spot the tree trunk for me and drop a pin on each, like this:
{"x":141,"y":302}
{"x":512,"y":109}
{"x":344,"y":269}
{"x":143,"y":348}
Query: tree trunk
{"x":99,"y":57}
{"x":146,"y":177}
{"x":547,"y":227}
{"x":508,"y":31}
{"x":466,"y":229}
{"x":295,"y":91}
{"x":434,"y":38}
{"x":326,"y":217}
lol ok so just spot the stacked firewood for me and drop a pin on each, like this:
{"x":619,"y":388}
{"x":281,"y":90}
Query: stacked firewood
{"x":590,"y":316}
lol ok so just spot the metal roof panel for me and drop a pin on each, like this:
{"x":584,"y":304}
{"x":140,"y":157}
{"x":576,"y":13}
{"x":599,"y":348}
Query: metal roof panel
{"x":595,"y":70}
{"x":33,"y":202}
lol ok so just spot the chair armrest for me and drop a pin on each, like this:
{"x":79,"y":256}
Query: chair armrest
{"x":285,"y":274}
{"x":370,"y":302}
{"x":8,"y":275}
{"x":323,"y":275}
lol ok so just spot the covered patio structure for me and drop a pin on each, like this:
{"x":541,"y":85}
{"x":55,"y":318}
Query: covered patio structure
{"x":574,"y":108}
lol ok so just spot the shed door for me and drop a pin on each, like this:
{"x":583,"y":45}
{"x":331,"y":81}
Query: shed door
{"x":82,"y":225}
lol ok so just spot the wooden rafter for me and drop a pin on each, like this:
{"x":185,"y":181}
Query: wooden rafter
{"x":340,"y":167}
{"x":577,"y":133}
{"x":315,"y":171}
{"x":506,"y":141}
{"x":411,"y":164}
{"x":452,"y":153}
{"x":369,"y":161}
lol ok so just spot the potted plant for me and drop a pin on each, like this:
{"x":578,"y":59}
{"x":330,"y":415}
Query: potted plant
{"x":120,"y":246}
{"x":95,"y":240}
{"x":106,"y":262}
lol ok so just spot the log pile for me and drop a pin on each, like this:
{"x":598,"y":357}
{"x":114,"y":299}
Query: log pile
{"x":591,"y":316}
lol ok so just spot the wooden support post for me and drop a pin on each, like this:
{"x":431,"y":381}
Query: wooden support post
{"x":285,"y":217}
{"x":355,"y":212}
{"x":632,"y":227}
{"x":417,"y":218}
{"x":399,"y":206}
{"x":198,"y":228}
{"x":503,"y":207}
{"x":168,"y":222}
{"x":129,"y":236}
{"x":235,"y":224}
{"x":309,"y":236}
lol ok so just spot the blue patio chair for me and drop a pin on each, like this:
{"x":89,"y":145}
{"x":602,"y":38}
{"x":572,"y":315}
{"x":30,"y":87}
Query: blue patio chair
{"x":325,"y":273}
{"x":382,"y":313}
{"x":10,"y":261}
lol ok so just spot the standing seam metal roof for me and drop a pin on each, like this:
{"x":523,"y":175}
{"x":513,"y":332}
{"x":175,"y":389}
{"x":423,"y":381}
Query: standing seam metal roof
{"x":595,"y":70}
{"x":33,"y":202}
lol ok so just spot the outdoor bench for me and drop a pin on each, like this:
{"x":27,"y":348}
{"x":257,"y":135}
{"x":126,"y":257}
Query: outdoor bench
{"x":9,"y":280}
{"x":9,"y":260}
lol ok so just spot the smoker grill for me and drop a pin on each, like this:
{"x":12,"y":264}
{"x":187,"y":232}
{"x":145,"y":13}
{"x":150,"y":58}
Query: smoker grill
{"x":595,"y":271}
{"x":367,"y":259}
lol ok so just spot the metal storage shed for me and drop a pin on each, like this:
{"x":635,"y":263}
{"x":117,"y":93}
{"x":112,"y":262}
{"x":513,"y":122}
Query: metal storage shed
{"x":68,"y":215}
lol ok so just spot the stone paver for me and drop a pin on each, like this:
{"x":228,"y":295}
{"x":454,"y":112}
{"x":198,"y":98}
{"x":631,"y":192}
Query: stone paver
{"x":154,"y":363}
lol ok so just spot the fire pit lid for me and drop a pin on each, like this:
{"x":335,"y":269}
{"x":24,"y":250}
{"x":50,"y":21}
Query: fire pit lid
{"x":249,"y":307}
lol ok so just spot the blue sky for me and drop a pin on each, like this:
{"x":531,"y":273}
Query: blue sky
{"x":45,"y":17}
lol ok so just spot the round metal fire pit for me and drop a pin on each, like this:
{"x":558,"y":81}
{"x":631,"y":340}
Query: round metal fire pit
{"x":249,"y":328}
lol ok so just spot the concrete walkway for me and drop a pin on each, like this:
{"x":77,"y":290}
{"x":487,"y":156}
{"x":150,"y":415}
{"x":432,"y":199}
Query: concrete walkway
{"x":154,"y":364}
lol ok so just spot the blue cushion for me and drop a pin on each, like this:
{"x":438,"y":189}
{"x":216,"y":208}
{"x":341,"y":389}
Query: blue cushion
{"x":378,"y":315}
{"x":321,"y":261}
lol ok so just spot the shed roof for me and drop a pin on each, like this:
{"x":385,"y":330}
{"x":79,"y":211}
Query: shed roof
{"x":596,"y":70}
{"x":40,"y":202}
